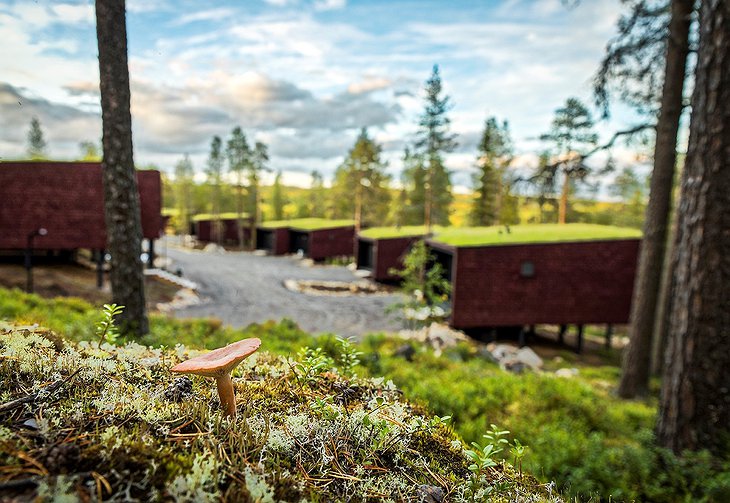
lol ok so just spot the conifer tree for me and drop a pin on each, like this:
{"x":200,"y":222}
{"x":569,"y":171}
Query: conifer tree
{"x":121,"y":196}
{"x":495,"y":156}
{"x":184,"y":172}
{"x":277,"y":198}
{"x":360,"y":188}
{"x":214,"y":172}
{"x":571,"y":135}
{"x":36,"y":142}
{"x":239,"y":157}
{"x":435,"y":140}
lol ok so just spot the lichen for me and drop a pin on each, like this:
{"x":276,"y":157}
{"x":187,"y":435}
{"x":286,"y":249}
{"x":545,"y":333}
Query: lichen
{"x":305,"y":431}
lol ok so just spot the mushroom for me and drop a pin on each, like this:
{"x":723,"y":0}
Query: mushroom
{"x":219,"y":364}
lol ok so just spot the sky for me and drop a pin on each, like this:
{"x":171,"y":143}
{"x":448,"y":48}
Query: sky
{"x":303,"y":76}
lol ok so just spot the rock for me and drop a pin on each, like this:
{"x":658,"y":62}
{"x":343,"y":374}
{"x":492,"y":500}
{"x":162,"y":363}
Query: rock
{"x":529,"y":358}
{"x":430,"y":494}
{"x":484,"y":353}
{"x":515,"y":366}
{"x":405,"y":351}
{"x":214,"y":248}
{"x":566,"y":372}
{"x":503,"y":352}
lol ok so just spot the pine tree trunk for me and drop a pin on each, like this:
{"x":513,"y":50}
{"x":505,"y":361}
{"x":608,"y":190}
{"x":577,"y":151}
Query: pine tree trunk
{"x":121,"y":196}
{"x":695,"y":401}
{"x":428,"y":203}
{"x":254,"y":217}
{"x":637,"y":356}
{"x":563,"y":205}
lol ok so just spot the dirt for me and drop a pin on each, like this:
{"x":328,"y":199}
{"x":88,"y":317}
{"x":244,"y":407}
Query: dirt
{"x":73,"y":280}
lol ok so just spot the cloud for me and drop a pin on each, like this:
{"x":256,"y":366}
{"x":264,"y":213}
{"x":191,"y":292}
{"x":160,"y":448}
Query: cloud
{"x":369,"y":84}
{"x":205,"y":15}
{"x":64,"y":126}
{"x":322,"y":5}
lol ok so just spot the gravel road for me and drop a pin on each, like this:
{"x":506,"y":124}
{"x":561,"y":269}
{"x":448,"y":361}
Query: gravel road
{"x":242,"y":288}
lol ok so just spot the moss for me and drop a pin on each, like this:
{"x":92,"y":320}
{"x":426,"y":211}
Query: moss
{"x":110,"y":430}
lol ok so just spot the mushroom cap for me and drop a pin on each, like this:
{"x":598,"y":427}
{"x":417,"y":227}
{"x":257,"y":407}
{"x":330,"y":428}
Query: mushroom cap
{"x":219,"y":361}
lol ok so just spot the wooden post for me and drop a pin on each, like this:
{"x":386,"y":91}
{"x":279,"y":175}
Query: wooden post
{"x":522,"y":338}
{"x":100,"y":269}
{"x":561,"y":334}
{"x":609,"y":334}
{"x":579,"y":346}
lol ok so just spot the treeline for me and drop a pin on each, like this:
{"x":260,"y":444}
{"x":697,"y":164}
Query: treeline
{"x":363,"y":190}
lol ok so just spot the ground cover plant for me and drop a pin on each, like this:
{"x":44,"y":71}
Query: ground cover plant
{"x":307,"y":224}
{"x":114,"y":424}
{"x":578,"y":434}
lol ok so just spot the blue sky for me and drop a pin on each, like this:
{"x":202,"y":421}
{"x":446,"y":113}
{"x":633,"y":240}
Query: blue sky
{"x":302,"y":75}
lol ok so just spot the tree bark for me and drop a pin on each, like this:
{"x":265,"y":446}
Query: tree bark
{"x":563,"y":204}
{"x":121,"y":196}
{"x":695,"y":400}
{"x":637,"y":356}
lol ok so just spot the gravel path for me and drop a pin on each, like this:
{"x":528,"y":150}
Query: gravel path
{"x":242,"y":288}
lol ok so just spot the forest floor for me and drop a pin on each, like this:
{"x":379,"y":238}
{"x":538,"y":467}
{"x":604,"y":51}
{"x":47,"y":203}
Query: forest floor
{"x":73,"y":280}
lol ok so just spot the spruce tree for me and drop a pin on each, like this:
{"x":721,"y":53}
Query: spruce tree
{"x":257,"y":165}
{"x":36,"y":142}
{"x":435,"y":140}
{"x":495,"y":156}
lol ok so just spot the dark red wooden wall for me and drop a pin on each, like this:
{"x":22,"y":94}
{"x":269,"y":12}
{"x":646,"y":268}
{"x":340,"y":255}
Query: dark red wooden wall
{"x":205,"y":230}
{"x":67,"y":199}
{"x":573,"y":283}
{"x":328,"y":243}
{"x":388,"y":253}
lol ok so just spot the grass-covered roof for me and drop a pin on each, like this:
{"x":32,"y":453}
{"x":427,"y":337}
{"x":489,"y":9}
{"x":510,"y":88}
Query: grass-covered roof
{"x":223,"y":216}
{"x":534,"y":233}
{"x":307,"y":224}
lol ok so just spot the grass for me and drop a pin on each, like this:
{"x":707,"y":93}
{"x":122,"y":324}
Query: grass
{"x":223,"y":216}
{"x":307,"y":224}
{"x":397,"y":232}
{"x":535,"y":233}
{"x":592,"y":444}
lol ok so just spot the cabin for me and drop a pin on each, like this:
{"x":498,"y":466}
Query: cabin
{"x":572,"y":274}
{"x":66,"y":199}
{"x":315,"y":238}
{"x":382,"y":249}
{"x":207,"y":231}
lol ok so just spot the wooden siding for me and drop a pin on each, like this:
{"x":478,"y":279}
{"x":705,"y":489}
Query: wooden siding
{"x":67,"y":199}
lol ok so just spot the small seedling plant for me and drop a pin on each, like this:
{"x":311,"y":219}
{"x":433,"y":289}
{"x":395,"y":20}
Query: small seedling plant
{"x":425,"y":285}
{"x":485,"y":456}
{"x":106,"y":331}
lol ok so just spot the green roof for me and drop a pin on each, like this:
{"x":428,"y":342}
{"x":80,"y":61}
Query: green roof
{"x":307,"y":224}
{"x":222,"y":216}
{"x":535,"y":233}
{"x":397,"y":232}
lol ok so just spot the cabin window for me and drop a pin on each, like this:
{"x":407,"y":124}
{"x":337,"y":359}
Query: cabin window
{"x":527,"y":269}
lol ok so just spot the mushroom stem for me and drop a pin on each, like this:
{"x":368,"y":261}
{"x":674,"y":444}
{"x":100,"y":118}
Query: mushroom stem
{"x":226,"y":394}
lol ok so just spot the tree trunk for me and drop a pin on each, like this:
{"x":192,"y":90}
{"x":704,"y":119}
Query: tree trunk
{"x":428,"y":203}
{"x":695,"y":400}
{"x":239,"y":210}
{"x":121,"y":196}
{"x":637,"y":356}
{"x":563,"y":205}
